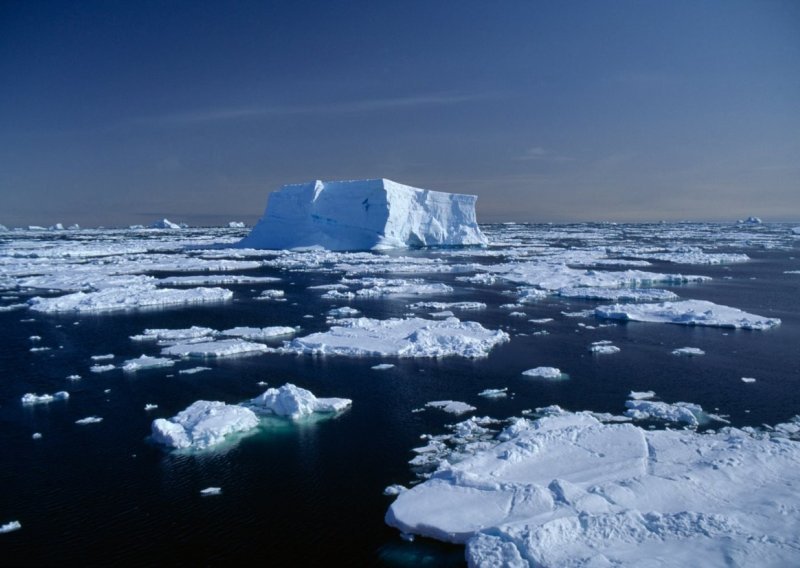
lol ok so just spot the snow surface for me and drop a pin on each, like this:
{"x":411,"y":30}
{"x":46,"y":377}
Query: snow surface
{"x":202,"y":425}
{"x":295,"y":402}
{"x":410,"y":337}
{"x":364,"y":214}
{"x":687,"y":312}
{"x":568,"y":490}
{"x":222,"y":348}
{"x":128,"y":298}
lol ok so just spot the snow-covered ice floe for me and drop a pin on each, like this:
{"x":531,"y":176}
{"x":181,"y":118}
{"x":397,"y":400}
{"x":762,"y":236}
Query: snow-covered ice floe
{"x":89,"y":420}
{"x":31,"y":398}
{"x":544,"y":373}
{"x":128,"y":298}
{"x":687,"y":312}
{"x":259,"y":333}
{"x":451,"y":406}
{"x":203,"y":424}
{"x":410,"y":337}
{"x":364,"y":214}
{"x":603,"y":347}
{"x":295,"y":402}
{"x":569,"y":490}
{"x":688,"y":351}
{"x":221,"y":348}
{"x":146,"y":362}
{"x":10,"y":527}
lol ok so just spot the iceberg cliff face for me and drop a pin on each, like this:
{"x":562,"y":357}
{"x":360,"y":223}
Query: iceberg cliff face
{"x":364,"y":214}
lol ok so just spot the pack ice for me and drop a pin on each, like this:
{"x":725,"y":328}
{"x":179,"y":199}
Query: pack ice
{"x":364,"y":214}
{"x":569,"y":490}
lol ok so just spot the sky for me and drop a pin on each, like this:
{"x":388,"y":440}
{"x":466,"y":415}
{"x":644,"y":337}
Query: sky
{"x":115,"y":113}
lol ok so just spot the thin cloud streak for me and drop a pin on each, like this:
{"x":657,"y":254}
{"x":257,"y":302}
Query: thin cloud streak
{"x":349,"y":107}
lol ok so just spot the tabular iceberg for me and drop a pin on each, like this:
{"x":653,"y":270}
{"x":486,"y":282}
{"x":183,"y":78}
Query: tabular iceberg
{"x":364,"y":214}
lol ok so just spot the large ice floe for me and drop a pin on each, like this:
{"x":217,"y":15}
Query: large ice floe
{"x":203,"y":424}
{"x":132,"y":297}
{"x":409,"y":337}
{"x":687,"y":312}
{"x":568,"y":490}
{"x":364,"y":214}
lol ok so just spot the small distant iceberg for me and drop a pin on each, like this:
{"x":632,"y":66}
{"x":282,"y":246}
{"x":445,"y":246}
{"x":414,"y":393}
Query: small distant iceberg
{"x":750,"y":221}
{"x":164,"y":224}
{"x":235,"y":225}
{"x":202,"y":425}
{"x":363,"y":215}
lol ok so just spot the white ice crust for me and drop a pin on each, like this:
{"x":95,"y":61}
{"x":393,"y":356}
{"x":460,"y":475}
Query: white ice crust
{"x":127,"y":298}
{"x":568,"y":490}
{"x":409,"y":337}
{"x":203,"y":424}
{"x":221,"y":348}
{"x":687,"y":312}
{"x":364,"y":214}
{"x":295,"y":402}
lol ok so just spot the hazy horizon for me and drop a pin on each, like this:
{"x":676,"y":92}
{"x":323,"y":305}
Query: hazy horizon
{"x":116,"y":114}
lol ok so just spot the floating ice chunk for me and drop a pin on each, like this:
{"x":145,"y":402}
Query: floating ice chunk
{"x":30,"y":398}
{"x":127,"y":298}
{"x":395,"y":489}
{"x":688,"y":351}
{"x":451,"y":406}
{"x":443,"y":314}
{"x":145,"y":362}
{"x":89,"y":420}
{"x":618,"y":294}
{"x":203,"y":424}
{"x":259,"y":333}
{"x":148,"y":407}
{"x":209,"y":491}
{"x":411,"y":337}
{"x":750,"y":221}
{"x":215,"y":280}
{"x":193,"y":370}
{"x":641,"y":395}
{"x":518,"y":315}
{"x":37,"y":349}
{"x":102,"y":357}
{"x":544,"y":373}
{"x":685,"y":412}
{"x":379,"y":288}
{"x":271,"y":294}
{"x":35,"y":338}
{"x":36,"y":436}
{"x":222,"y":348}
{"x":295,"y":402}
{"x":343,"y":312}
{"x":494,"y":393}
{"x":748,"y":380}
{"x":796,"y":230}
{"x":382,"y":367}
{"x":10,"y":527}
{"x":235,"y":225}
{"x":365,"y":214}
{"x":603,"y":347}
{"x":193,"y":332}
{"x":687,"y":312}
{"x":541,"y":320}
{"x":101,"y":368}
{"x":448,"y":306}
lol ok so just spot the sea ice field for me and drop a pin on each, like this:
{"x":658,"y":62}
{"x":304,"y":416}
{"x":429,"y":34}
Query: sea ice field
{"x":586,"y":394}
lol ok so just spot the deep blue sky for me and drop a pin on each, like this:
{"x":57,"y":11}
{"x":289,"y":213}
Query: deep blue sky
{"x":122,"y":112}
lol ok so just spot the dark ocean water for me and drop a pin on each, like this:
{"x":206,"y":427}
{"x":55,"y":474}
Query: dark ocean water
{"x":311,"y":493}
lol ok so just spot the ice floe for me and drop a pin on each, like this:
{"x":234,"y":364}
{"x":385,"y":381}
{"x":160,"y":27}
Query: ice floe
{"x":295,"y":402}
{"x":146,"y":362}
{"x":451,"y":406}
{"x":259,"y":333}
{"x":115,"y":299}
{"x":619,"y":294}
{"x":31,"y":399}
{"x":10,"y":527}
{"x":89,"y":420}
{"x":210,"y":491}
{"x":409,"y":337}
{"x":569,"y":490}
{"x":544,"y":373}
{"x":687,"y":312}
{"x":494,"y":393}
{"x":202,"y":425}
{"x":221,"y":348}
{"x":603,"y":347}
{"x":688,"y":351}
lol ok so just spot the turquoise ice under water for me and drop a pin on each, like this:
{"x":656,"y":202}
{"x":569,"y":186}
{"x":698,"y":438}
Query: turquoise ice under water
{"x":311,"y":491}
